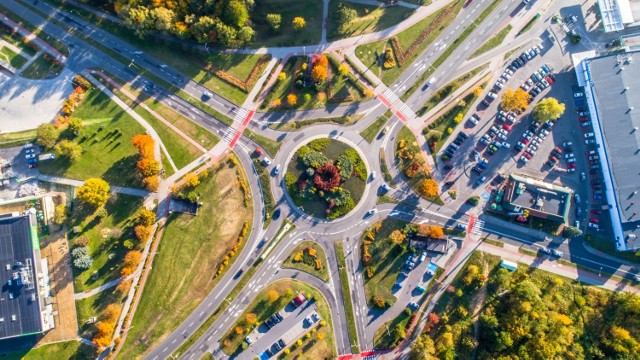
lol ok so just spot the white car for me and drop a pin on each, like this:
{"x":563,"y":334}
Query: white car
{"x":499,"y":85}
{"x":506,"y":145}
{"x":589,"y":135}
{"x":568,"y":155}
{"x":473,"y":121}
{"x":593,"y":225}
{"x":524,"y":86}
{"x":578,"y":94}
{"x":492,"y":95}
{"x":29,"y":156}
{"x":557,"y":253}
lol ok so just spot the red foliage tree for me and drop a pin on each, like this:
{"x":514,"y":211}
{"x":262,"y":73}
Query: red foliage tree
{"x":327,"y":177}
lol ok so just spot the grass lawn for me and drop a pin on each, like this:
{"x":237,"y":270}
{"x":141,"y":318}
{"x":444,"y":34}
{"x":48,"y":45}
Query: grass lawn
{"x":311,"y":11}
{"x":12,"y":58}
{"x":71,"y":350}
{"x":41,"y":68}
{"x":408,"y":140}
{"x":188,"y":256}
{"x":264,"y":308}
{"x":264,"y":178}
{"x":271,"y":146}
{"x":448,"y":89}
{"x":94,"y":306}
{"x":366,"y":52}
{"x":16,"y":40}
{"x":493,"y":42}
{"x":387,"y":260}
{"x":181,"y":151}
{"x":307,"y":196}
{"x":609,"y":246}
{"x":296,"y":125}
{"x":346,"y":295}
{"x":440,"y":129}
{"x":307,"y":262}
{"x":106,"y":237}
{"x":370,"y":19}
{"x":386,"y":337}
{"x":51,"y":40}
{"x":529,"y":24}
{"x":17,"y":138}
{"x":104,"y":155}
{"x":372,"y":130}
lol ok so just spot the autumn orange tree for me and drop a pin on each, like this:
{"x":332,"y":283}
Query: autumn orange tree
{"x":102,"y":338}
{"x":148,"y":166}
{"x":131,"y":261}
{"x":319,"y":72}
{"x":292,"y":99}
{"x":397,"y":237}
{"x":428,"y":188}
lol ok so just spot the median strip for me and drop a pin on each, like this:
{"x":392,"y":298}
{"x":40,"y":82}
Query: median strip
{"x":346,"y":296}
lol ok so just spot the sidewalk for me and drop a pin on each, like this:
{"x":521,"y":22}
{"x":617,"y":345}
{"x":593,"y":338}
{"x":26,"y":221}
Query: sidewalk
{"x":110,"y":284}
{"x":33,"y":38}
{"x":78,"y":183}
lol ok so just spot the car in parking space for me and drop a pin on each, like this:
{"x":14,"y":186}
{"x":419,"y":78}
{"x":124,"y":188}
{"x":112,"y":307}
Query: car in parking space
{"x":524,"y":86}
{"x":481,"y":180}
{"x":597,"y":197}
{"x":596,"y":181}
{"x":586,"y":123}
{"x":583,"y":119}
{"x":557,"y":150}
{"x":527,"y":155}
{"x":519,"y":146}
{"x":578,"y":95}
{"x":596,"y":211}
{"x":571,"y":160}
{"x":593,"y":225}
{"x":571,"y":167}
{"x":583,"y":113}
{"x":595,"y":166}
{"x":569,"y":155}
{"x":29,"y":156}
{"x":552,"y":161}
{"x":492,"y":95}
{"x":473,"y":120}
{"x":533,"y":147}
{"x":578,"y":211}
{"x":248,"y":340}
{"x":523,"y":159}
{"x":594,"y":157}
{"x":549,"y":79}
{"x":589,"y":141}
{"x":499,"y":85}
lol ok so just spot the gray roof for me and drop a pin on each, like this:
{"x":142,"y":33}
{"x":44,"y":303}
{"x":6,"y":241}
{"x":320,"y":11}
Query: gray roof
{"x":610,"y":76}
{"x":16,"y":246}
{"x":551,"y":200}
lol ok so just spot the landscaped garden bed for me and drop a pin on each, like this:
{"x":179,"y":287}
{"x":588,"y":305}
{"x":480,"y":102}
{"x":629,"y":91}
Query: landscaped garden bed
{"x":308,"y":257}
{"x":326,"y":178}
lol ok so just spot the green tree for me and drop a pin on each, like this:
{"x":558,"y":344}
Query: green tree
{"x":344,"y":15}
{"x":69,"y":150}
{"x":60,"y":214}
{"x":548,"y":109}
{"x":146,"y":217}
{"x":423,"y":348}
{"x":246,"y":34}
{"x":75,"y":125}
{"x":47,"y":135}
{"x":226,"y":34}
{"x":202,"y":28}
{"x":570,"y":231}
{"x":274,"y":20}
{"x":236,"y":13}
{"x":164,"y":18}
{"x":94,"y":192}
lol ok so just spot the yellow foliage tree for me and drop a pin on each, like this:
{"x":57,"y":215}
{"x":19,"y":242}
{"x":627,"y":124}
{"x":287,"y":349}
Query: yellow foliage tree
{"x":397,"y":237}
{"x":515,"y":100}
{"x":319,"y":73}
{"x":477,"y":91}
{"x":111,"y":313}
{"x":251,"y":318}
{"x":343,"y":69}
{"x":428,"y":188}
{"x":276,"y":103}
{"x":436,"y":232}
{"x":297,"y":257}
{"x":191,"y":180}
{"x":311,"y":251}
{"x":292,"y":99}
{"x":298,"y":23}
{"x":282,"y":76}
{"x":273,"y":295}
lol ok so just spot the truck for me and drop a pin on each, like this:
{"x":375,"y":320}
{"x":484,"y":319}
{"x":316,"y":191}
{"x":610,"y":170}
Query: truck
{"x":509,"y":265}
{"x":49,"y":156}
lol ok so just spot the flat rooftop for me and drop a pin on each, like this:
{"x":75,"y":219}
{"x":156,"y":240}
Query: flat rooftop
{"x":544,"y":198}
{"x":616,"y":93}
{"x":20,"y":307}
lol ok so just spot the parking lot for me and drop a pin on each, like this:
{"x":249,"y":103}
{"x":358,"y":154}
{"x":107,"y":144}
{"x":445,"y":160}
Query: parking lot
{"x":15,"y":170}
{"x":553,"y":152}
{"x":295,"y":322}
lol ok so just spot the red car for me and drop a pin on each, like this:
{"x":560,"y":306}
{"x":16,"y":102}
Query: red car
{"x":583,"y":118}
{"x":527,"y":155}
{"x":550,"y":80}
{"x":524,"y":141}
{"x":571,"y":165}
{"x":506,"y":127}
{"x":593,"y":220}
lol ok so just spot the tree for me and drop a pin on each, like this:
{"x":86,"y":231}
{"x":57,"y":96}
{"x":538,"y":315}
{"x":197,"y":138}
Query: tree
{"x":274,"y":21}
{"x":251,"y":318}
{"x":423,"y":348}
{"x":69,"y":150}
{"x":132,"y":259}
{"x":343,"y":69}
{"x":282,"y":76}
{"x":148,"y":166}
{"x":60,"y":214}
{"x":344,"y":15}
{"x":146,"y":217}
{"x":477,"y":91}
{"x":144,"y":143}
{"x":164,"y":18}
{"x":75,"y":125}
{"x":436,"y":232}
{"x":428,"y":188}
{"x":320,"y":336}
{"x":397,"y":237}
{"x":273,"y":295}
{"x":292,"y":99}
{"x":151,"y":183}
{"x":326,"y":177}
{"x":102,"y":338}
{"x":570,"y":232}
{"x":473,"y":201}
{"x":298,"y":23}
{"x":47,"y":135}
{"x":236,"y":13}
{"x":548,"y":109}
{"x":246,"y":34}
{"x":94,"y":192}
{"x":191,"y":180}
{"x":515,"y":100}
{"x":112,"y":312}
{"x":319,"y":73}
{"x":142,"y":232}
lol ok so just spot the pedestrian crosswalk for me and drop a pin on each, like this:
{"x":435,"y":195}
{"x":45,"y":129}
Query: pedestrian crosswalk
{"x":228,"y":135}
{"x":241,"y":114}
{"x":477,"y":227}
{"x":407,"y":112}
{"x":391,"y":96}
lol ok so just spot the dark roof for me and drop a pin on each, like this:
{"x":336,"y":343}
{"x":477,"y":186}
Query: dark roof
{"x":546,"y":200}
{"x":16,"y":246}
{"x":610,"y":75}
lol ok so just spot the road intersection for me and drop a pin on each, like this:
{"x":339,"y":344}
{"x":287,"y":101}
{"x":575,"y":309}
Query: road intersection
{"x":347,"y":229}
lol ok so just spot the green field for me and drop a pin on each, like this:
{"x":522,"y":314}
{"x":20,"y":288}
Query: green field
{"x":369,"y":19}
{"x":264,"y":178}
{"x":366,"y":52}
{"x":111,"y":157}
{"x":493,"y":42}
{"x":94,"y":306}
{"x":372,"y":130}
{"x":69,"y":350}
{"x":17,"y":138}
{"x":271,"y":146}
{"x":346,"y":295}
{"x":106,"y":239}
{"x":263,"y":308}
{"x":188,"y":256}
{"x":387,"y":260}
{"x":41,"y":68}
{"x":311,"y":11}
{"x":307,"y":262}
{"x":300,"y":124}
{"x":12,"y":58}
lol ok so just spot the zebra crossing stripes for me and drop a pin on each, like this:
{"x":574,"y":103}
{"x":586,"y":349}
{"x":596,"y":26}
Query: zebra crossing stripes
{"x":240,"y":115}
{"x":406,"y":111}
{"x":477,"y":227}
{"x":391,"y":96}
{"x":228,"y":135}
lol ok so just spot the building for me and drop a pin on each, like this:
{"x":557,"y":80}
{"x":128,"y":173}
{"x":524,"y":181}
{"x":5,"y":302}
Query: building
{"x":612,"y":94}
{"x":542,"y":200}
{"x":24,"y":284}
{"x":617,"y":15}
